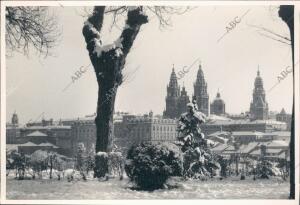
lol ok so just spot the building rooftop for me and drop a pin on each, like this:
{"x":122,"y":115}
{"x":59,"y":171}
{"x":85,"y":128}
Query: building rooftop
{"x":219,"y":133}
{"x":47,"y":144}
{"x":282,"y":133}
{"x":36,"y":134}
{"x":247,"y":133}
{"x":277,"y":143}
{"x":243,"y":122}
{"x":47,"y":127}
{"x":220,"y":148}
{"x":245,"y":149}
{"x":28,"y":144}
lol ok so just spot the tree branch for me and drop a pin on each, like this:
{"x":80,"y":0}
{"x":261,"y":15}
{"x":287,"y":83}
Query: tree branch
{"x":135,"y":19}
{"x":91,"y":31}
{"x":271,"y":32}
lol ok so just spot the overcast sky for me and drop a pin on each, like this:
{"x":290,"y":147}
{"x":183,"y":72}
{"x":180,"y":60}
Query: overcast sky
{"x":35,"y":85}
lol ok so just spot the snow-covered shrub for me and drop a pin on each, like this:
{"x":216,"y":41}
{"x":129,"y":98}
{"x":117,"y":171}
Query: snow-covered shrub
{"x":80,"y":159}
{"x":199,"y":164}
{"x":224,"y":166}
{"x":17,"y":161}
{"x":101,"y":164}
{"x":149,"y":165}
{"x":38,"y":162}
{"x":69,"y":174}
{"x":264,"y":169}
{"x":116,"y":164}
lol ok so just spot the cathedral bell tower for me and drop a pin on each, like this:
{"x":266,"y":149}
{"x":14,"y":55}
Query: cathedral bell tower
{"x":200,"y":92}
{"x":259,"y":108}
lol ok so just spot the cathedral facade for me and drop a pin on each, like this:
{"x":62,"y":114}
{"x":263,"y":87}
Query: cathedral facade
{"x":177,"y":99}
{"x":259,"y":108}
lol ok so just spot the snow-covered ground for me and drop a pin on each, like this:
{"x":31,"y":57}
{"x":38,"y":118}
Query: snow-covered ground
{"x":116,"y":189}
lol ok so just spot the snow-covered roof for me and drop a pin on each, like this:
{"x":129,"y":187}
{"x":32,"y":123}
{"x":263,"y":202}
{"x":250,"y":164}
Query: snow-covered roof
{"x":28,"y":144}
{"x":249,"y":147}
{"x":217,"y":117}
{"x":36,"y":127}
{"x":11,"y":147}
{"x":247,"y":133}
{"x":255,"y":152}
{"x":37,"y":134}
{"x":243,"y":122}
{"x":220,"y":148}
{"x":219,"y":133}
{"x":273,"y":151}
{"x":269,"y":122}
{"x":282,"y":133}
{"x":282,"y":156}
{"x":277,"y":143}
{"x":47,"y":144}
{"x":218,"y":139}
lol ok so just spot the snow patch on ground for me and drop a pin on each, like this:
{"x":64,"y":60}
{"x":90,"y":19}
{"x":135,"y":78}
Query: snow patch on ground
{"x":231,"y":188}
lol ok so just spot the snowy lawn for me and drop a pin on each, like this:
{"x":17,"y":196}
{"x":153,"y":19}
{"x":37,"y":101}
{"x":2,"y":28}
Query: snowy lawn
{"x":115,"y":189}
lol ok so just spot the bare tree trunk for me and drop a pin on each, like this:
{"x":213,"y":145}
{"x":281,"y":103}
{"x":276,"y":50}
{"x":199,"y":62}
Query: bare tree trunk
{"x":108,"y":62}
{"x":286,"y":13}
{"x":107,"y":91}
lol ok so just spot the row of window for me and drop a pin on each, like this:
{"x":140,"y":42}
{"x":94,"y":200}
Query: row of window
{"x":163,"y":128}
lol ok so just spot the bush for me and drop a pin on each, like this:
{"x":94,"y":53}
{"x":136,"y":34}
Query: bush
{"x":149,"y":165}
{"x":265,"y":169}
{"x":199,"y":164}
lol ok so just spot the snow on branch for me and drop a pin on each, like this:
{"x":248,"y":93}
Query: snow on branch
{"x":117,"y":45}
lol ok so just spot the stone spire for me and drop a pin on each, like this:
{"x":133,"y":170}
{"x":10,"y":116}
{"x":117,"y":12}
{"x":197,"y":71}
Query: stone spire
{"x":173,"y":95}
{"x":200,"y":92}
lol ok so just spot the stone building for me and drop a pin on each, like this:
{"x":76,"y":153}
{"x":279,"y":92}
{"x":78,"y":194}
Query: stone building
{"x":136,"y":129}
{"x":217,"y":107}
{"x":284,"y":117}
{"x":259,"y":107}
{"x":242,"y":125}
{"x":84,"y":131}
{"x":13,"y":130}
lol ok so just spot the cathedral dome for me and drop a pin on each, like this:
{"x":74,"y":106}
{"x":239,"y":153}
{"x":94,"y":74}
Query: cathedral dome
{"x":282,"y":111}
{"x":218,"y":99}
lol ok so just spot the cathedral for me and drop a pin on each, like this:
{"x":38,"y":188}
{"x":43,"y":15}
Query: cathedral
{"x":176,"y":100}
{"x":259,"y":107}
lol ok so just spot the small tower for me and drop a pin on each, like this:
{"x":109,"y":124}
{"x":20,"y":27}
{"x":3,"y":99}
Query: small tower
{"x":151,"y":114}
{"x":15,"y":119}
{"x":183,"y":101}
